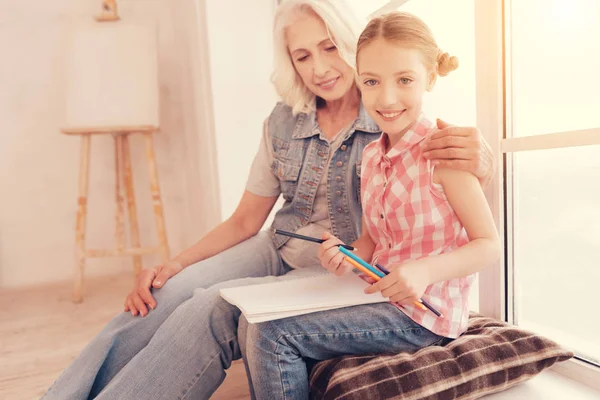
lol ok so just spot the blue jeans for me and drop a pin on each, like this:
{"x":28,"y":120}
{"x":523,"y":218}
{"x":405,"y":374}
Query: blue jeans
{"x":274,"y":352}
{"x":182,"y":348}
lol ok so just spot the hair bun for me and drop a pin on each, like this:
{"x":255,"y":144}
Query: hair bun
{"x":446,"y":63}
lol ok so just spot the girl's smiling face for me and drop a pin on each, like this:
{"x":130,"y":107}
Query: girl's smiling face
{"x":393,"y":79}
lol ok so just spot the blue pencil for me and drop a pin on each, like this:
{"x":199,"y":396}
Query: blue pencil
{"x":362,"y":262}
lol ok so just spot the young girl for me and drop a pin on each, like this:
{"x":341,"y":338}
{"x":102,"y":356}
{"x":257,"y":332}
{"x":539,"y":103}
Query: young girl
{"x":415,"y":215}
{"x":414,"y":222}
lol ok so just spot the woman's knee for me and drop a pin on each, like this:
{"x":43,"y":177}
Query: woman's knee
{"x":208,"y":306}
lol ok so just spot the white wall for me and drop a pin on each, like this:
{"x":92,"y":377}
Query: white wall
{"x":240,"y":42}
{"x":39,"y":166}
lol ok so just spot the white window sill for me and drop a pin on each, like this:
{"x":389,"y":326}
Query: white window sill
{"x":549,"y":385}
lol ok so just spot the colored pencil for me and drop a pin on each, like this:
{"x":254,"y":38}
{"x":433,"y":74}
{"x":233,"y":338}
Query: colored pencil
{"x":308,"y":238}
{"x":362,"y":269}
{"x":362,"y":262}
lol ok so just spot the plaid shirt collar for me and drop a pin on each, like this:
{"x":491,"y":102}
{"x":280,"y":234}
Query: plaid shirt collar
{"x":415,"y":134}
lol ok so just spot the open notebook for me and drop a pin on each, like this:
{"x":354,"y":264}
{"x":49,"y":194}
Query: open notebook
{"x":275,"y":300}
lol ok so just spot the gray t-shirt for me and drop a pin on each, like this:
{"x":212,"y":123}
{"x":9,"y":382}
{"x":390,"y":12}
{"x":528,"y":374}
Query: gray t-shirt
{"x":262,"y":182}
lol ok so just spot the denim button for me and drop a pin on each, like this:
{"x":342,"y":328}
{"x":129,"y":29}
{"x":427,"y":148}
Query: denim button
{"x":338,"y":192}
{"x":338,"y":178}
{"x":344,"y":147}
{"x":339,"y":163}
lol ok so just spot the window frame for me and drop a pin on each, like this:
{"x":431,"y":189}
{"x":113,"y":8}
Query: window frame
{"x":494,"y":119}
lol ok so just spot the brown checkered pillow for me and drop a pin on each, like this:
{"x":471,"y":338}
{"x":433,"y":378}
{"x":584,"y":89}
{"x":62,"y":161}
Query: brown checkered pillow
{"x":489,"y":357}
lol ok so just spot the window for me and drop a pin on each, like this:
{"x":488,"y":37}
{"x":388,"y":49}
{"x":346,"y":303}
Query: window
{"x":553,"y":169}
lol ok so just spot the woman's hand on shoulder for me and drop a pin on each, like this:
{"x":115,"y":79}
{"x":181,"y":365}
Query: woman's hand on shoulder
{"x":332,"y":259}
{"x":461,"y":148}
{"x":140,"y":298}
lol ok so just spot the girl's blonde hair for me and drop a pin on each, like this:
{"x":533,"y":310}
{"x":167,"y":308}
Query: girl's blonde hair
{"x":407,"y":29}
{"x":342,"y":29}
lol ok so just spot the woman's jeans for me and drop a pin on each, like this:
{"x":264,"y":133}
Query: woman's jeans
{"x":182,"y":347}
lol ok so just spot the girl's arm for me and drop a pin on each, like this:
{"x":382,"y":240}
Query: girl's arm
{"x":466,"y":197}
{"x":408,"y":281}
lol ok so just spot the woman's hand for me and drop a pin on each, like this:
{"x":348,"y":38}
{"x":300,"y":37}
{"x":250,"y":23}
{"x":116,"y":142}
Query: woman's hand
{"x":405,"y":284}
{"x":332,"y":259}
{"x":461,"y":148}
{"x":155,"y":277}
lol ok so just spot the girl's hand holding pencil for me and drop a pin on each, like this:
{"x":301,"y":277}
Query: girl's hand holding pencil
{"x":405,"y":284}
{"x":331,"y":258}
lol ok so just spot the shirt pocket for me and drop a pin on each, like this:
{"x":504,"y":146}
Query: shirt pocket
{"x":280,"y":147}
{"x":288,"y":177}
{"x":288,"y":152}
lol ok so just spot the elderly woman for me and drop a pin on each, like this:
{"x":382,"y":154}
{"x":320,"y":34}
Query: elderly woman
{"x":178,"y":336}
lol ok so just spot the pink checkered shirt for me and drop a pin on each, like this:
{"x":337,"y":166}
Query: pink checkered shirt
{"x":409,"y":217}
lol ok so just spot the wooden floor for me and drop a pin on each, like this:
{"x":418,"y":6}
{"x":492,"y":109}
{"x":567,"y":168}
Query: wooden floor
{"x":41,"y":331}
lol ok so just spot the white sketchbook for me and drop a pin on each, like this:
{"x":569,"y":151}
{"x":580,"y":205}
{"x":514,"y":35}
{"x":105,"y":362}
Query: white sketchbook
{"x":287,"y":298}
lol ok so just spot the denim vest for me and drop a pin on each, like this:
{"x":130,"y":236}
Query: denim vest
{"x":300,"y":157}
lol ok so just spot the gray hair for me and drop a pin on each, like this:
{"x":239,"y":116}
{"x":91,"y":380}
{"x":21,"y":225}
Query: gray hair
{"x":343,"y":30}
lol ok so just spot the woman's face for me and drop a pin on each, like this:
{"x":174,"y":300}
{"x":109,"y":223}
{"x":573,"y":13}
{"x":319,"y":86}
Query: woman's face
{"x":316,"y":58}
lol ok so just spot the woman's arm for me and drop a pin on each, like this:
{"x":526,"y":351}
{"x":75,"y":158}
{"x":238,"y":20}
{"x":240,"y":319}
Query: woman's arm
{"x":461,"y":148}
{"x":249,"y":216}
{"x":408,"y":281}
{"x":262,"y":191}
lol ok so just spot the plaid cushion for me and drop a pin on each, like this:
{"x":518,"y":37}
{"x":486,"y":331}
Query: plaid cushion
{"x":489,"y":357}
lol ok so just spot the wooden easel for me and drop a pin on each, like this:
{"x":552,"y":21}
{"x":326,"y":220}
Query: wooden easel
{"x":123,"y":177}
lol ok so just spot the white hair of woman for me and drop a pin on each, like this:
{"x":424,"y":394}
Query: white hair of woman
{"x":343,"y":29}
